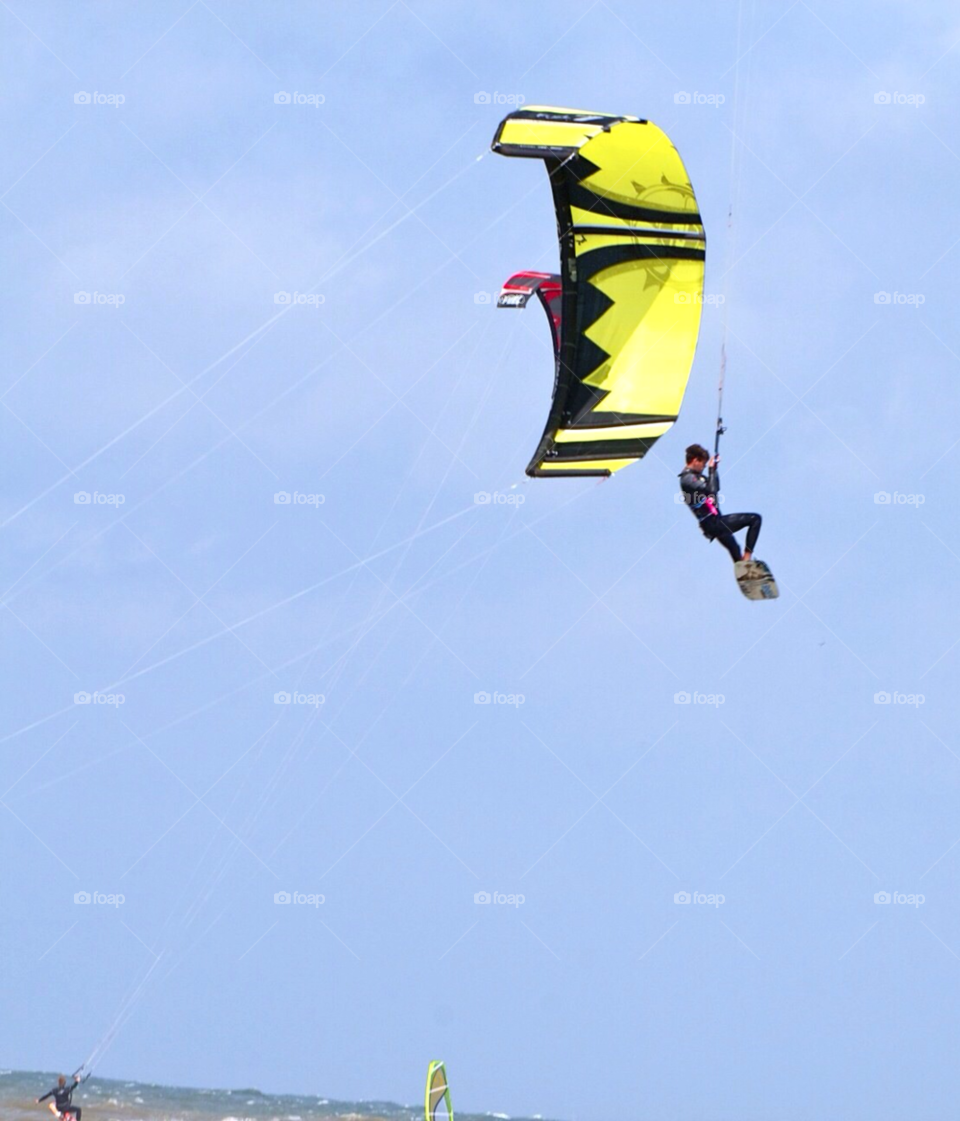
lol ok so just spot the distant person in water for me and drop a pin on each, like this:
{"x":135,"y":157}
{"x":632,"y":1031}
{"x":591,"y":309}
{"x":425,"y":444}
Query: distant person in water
{"x":61,"y":1094}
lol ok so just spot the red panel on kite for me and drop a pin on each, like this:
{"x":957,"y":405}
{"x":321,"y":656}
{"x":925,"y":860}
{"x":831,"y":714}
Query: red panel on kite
{"x":547,"y":285}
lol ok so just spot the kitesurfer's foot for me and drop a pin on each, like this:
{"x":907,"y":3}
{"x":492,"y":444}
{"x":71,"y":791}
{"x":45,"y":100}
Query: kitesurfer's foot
{"x":748,"y":556}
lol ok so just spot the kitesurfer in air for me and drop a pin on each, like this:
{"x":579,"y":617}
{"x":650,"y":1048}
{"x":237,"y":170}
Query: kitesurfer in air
{"x":700,"y":493}
{"x":61,"y":1094}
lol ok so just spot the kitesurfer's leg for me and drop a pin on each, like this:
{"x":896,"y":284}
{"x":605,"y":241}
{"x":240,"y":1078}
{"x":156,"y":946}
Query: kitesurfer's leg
{"x":723,"y":532}
{"x":751,"y":523}
{"x":752,"y":534}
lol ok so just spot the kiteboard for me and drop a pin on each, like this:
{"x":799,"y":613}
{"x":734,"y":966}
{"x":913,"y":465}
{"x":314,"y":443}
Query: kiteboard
{"x":755,"y":579}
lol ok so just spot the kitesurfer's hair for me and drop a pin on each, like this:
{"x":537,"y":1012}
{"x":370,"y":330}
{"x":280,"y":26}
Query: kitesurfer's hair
{"x":697,"y":451}
{"x":62,"y":1080}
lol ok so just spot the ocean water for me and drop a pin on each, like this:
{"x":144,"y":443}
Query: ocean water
{"x":104,"y":1099}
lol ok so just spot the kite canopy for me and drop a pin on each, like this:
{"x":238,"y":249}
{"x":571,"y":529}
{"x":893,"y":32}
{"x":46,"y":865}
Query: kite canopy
{"x":437,"y":1094}
{"x":632,"y":252}
{"x":548,"y":287}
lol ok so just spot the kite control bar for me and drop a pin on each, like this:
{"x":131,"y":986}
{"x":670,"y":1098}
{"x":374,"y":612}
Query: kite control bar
{"x":716,"y":440}
{"x":723,"y":377}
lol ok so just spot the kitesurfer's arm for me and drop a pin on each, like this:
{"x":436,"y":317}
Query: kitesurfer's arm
{"x":699,"y":488}
{"x":692,"y":485}
{"x":713,"y":476}
{"x":48,"y":1094}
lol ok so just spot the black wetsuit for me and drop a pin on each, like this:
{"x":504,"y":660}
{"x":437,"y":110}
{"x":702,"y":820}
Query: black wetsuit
{"x":61,"y":1099}
{"x":700,"y":494}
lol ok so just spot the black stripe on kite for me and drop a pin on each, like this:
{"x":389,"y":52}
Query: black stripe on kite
{"x":629,"y":231}
{"x":584,"y":199}
{"x":600,"y":449}
{"x":595,"y":260}
{"x":617,"y":420}
{"x":573,"y":472}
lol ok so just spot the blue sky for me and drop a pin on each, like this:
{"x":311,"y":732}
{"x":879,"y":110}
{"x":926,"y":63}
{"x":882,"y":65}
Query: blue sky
{"x":398,"y":397}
